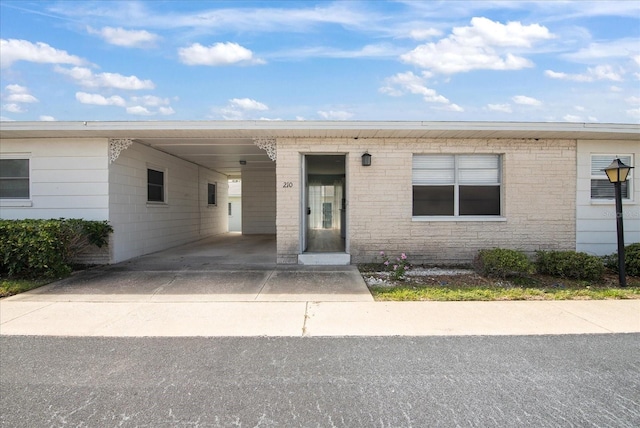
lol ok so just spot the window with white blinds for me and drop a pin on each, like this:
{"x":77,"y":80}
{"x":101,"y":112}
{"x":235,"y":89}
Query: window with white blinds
{"x":456,"y":185}
{"x":601,"y":188}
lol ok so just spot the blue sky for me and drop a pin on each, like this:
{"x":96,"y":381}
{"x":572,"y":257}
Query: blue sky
{"x":528,"y":61}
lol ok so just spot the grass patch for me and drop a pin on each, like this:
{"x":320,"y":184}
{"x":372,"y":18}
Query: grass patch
{"x":9,"y":287}
{"x":487,"y":293}
{"x":473,"y":287}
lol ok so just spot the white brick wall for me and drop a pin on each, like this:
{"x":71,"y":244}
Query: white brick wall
{"x":539,"y":213}
{"x":141,"y":227}
{"x":596,"y":220}
{"x":259,"y":201}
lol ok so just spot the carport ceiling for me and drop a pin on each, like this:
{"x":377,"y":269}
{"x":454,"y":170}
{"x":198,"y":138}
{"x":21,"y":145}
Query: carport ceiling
{"x":219,"y":154}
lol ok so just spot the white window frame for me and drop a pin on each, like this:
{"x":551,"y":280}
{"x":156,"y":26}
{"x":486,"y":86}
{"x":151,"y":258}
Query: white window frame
{"x":626,"y":158}
{"x":456,"y":191}
{"x":19,"y":202}
{"x":165,"y":185}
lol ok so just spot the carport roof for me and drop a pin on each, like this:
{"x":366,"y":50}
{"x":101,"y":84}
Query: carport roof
{"x":220,"y":145}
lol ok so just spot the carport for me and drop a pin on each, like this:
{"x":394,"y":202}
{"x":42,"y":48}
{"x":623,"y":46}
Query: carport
{"x":225,"y":268}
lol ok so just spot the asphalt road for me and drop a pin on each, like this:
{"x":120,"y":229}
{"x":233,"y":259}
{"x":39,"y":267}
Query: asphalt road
{"x":540,"y":381}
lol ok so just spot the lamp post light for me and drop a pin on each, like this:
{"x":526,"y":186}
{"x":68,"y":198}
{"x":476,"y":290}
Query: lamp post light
{"x":617,"y":174}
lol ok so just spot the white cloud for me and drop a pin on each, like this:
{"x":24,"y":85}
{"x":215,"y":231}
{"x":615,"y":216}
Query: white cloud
{"x":335,"y":115}
{"x":150,"y":101}
{"x":504,"y":108}
{"x":166,"y":111}
{"x":17,"y":89}
{"x":633,"y":100}
{"x":527,"y":101}
{"x":634,"y":113}
{"x":45,"y":118}
{"x":483,"y":45}
{"x":572,"y":118}
{"x":22,"y":98}
{"x":600,"y":72}
{"x":424,"y":33}
{"x":22,"y":50}
{"x":139,"y":111}
{"x":85,"y":77}
{"x":19,"y":94}
{"x":617,"y":48}
{"x":241,"y":108}
{"x":217,"y":54}
{"x":127,"y":38}
{"x":248,"y":104}
{"x":13,"y":108}
{"x":408,"y":82}
{"x":99,"y":100}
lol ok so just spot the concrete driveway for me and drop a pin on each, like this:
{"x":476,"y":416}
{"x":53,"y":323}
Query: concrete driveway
{"x":224,"y":268}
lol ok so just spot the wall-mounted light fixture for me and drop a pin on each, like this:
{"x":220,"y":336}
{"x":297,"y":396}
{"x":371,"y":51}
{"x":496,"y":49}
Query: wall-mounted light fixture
{"x":243,"y":162}
{"x":366,"y":159}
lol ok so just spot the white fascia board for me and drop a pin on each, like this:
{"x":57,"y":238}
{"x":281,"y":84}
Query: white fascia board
{"x":260,"y":125}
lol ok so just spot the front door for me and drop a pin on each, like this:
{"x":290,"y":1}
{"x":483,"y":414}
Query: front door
{"x":324,"y":204}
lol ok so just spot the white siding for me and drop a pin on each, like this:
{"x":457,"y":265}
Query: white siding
{"x":68,"y":178}
{"x":596,"y":220}
{"x":259,"y":202}
{"x":141,"y":227}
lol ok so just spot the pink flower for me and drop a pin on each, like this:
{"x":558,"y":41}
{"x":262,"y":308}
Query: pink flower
{"x":382,"y":253}
{"x":395,"y":267}
{"x":386,"y":263}
{"x":403,"y":256}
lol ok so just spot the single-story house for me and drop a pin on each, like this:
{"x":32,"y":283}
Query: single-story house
{"x":331,"y":192}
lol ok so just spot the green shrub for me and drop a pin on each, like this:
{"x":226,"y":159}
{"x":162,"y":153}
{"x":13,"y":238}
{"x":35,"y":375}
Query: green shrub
{"x":502,"y":263}
{"x":33,"y":248}
{"x":570,"y":264}
{"x":631,"y":260}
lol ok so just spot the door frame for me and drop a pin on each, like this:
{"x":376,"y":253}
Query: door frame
{"x":304,"y":199}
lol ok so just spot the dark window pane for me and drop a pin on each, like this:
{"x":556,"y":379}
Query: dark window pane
{"x":479,"y":200}
{"x":14,"y":189}
{"x":14,"y":168}
{"x":433,"y":200}
{"x":155,"y":186}
{"x":211,"y":194}
{"x":155,"y":193}
{"x":602,"y":189}
{"x":155,"y":177}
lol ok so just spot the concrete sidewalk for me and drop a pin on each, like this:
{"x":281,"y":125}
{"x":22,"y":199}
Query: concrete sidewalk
{"x":20,"y":316}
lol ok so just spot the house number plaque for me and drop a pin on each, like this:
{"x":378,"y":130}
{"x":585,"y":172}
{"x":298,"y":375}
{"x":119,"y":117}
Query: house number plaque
{"x":287,"y":184}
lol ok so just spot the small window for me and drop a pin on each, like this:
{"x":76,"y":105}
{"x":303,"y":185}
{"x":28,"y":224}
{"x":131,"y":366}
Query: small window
{"x":601,"y":188}
{"x":456,"y":185}
{"x":230,"y":212}
{"x":14,"y":178}
{"x":155,"y":185}
{"x":211,"y":194}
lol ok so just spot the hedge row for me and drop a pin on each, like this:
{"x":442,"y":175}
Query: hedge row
{"x":503,"y":263}
{"x":36,"y":248}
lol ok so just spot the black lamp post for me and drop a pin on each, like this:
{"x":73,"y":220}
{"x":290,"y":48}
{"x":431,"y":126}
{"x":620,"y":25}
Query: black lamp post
{"x":617,"y":173}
